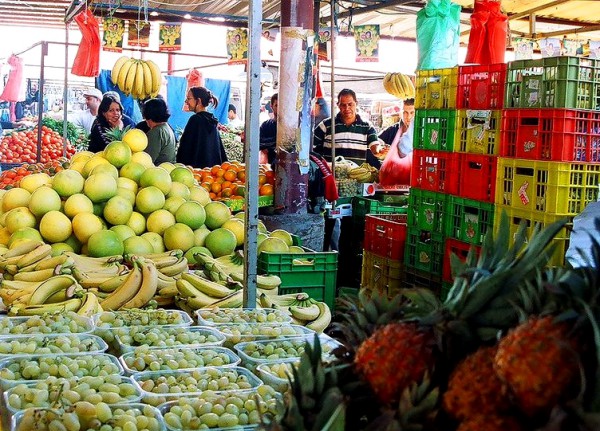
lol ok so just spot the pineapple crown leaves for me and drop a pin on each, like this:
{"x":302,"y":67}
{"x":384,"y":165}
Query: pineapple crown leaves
{"x":117,"y":134}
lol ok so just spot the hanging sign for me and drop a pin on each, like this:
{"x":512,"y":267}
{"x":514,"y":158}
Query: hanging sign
{"x":523,"y":48}
{"x":170,"y":37}
{"x":138,"y":33}
{"x":367,"y":43}
{"x":572,"y":47}
{"x":550,"y":47}
{"x":112,"y":37}
{"x":594,"y":49}
{"x":237,"y":46}
{"x":324,"y":44}
{"x":270,"y":34}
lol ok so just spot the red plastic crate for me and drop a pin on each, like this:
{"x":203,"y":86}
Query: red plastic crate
{"x":459,"y":248}
{"x":385,"y":235}
{"x":566,"y":135}
{"x":436,"y":171}
{"x":481,"y":86}
{"x":477,"y":177}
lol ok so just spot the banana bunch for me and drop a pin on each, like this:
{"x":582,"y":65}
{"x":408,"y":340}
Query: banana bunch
{"x":59,"y":293}
{"x":364,"y":173}
{"x":399,"y":85}
{"x":304,"y":310}
{"x":140,"y":78}
{"x":137,"y":289}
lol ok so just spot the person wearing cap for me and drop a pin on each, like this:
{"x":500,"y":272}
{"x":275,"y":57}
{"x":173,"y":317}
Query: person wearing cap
{"x":127,"y":120}
{"x":234,"y":121}
{"x":86,"y":118}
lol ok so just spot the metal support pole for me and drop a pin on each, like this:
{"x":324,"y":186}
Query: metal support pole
{"x":332,"y":83}
{"x":251,"y":151}
{"x":41,"y":100}
{"x":66,"y":91}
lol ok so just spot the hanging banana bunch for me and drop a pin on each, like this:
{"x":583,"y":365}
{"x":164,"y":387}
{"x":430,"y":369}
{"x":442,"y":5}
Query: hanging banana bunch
{"x":399,"y":85}
{"x":140,"y":78}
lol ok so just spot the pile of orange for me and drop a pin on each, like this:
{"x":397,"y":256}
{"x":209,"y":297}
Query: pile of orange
{"x":10,"y":178}
{"x":226,"y":181}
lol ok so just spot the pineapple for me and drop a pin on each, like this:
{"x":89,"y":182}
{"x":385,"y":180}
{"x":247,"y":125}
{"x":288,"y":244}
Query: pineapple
{"x":394,"y":357}
{"x":539,"y":363}
{"x":474,"y":387}
{"x":491,"y":422}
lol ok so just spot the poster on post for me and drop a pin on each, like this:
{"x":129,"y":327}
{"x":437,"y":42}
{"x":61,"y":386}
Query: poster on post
{"x":237,"y":46}
{"x":550,"y":47}
{"x":112,"y":37}
{"x":366,"y":38}
{"x":523,"y":48}
{"x":169,"y":37}
{"x":270,"y":34}
{"x":138,"y":33}
{"x":594,"y":49}
{"x":324,"y":44}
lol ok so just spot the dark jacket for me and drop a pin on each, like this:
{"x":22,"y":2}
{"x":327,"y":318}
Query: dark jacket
{"x":200,"y":145}
{"x":268,"y":138}
{"x":98,"y":138}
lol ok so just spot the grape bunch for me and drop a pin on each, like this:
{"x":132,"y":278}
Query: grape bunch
{"x":147,"y":359}
{"x":166,"y":337}
{"x":49,"y":323}
{"x":113,"y":389}
{"x":212,"y":410}
{"x":238,"y":332}
{"x":276,"y":350}
{"x":86,"y":416}
{"x":45,"y":344}
{"x":42,"y":367}
{"x":280,"y":370}
{"x":138,"y":317}
{"x":168,"y":384}
{"x":241,"y":315}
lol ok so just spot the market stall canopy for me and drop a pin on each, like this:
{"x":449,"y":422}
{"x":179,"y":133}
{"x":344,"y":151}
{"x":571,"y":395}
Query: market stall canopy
{"x":574,"y":18}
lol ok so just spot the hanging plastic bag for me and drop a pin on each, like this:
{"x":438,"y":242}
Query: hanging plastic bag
{"x":87,"y":59}
{"x":396,"y":167}
{"x":194,"y":79}
{"x":487,"y":40}
{"x":12,"y":91}
{"x":438,"y":26}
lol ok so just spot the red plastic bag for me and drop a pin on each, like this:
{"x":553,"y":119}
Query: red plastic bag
{"x":12,"y":91}
{"x":194,"y":79}
{"x":87,"y":59}
{"x":487,"y":40}
{"x":395,"y":169}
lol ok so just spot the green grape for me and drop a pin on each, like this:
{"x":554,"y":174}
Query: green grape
{"x":239,"y":315}
{"x":49,"y":323}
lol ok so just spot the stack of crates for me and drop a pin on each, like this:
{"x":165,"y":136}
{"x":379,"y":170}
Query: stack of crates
{"x":549,"y":164}
{"x":453,"y":178}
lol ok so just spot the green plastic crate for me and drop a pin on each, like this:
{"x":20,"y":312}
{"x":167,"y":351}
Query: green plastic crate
{"x":424,"y":251}
{"x":468,"y":220}
{"x":435,"y":129}
{"x":312,"y":272}
{"x":554,"y":82}
{"x":427,"y":210}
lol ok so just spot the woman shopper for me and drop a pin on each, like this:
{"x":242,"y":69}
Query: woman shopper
{"x":161,"y":139}
{"x":110,"y":116}
{"x":200,"y":145}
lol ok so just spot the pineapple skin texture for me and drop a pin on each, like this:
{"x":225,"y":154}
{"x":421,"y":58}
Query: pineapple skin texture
{"x":539,"y":363}
{"x":491,"y":423}
{"x":395,"y":356}
{"x":474,"y":388}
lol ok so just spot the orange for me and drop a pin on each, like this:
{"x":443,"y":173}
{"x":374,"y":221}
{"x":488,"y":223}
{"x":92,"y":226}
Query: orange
{"x":225,"y":166}
{"x":226,"y":184}
{"x":214,"y":170}
{"x":215,"y":187}
{"x":241,"y":175}
{"x":230,"y":175}
{"x":220,"y":173}
{"x":212,"y":196}
{"x":206,"y":186}
{"x":262,"y":179}
{"x":226,"y":193}
{"x":266,"y":190}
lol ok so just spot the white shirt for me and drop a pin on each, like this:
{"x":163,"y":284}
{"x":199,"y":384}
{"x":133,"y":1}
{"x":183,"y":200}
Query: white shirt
{"x":84,"y":119}
{"x":236,"y":122}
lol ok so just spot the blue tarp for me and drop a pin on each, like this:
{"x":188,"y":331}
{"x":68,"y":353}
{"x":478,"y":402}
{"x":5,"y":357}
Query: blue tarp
{"x":130,"y":107}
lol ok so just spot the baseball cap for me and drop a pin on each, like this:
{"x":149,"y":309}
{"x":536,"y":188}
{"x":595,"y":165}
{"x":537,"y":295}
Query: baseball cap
{"x":113,"y":94}
{"x":94,"y":92}
{"x":232,"y":108}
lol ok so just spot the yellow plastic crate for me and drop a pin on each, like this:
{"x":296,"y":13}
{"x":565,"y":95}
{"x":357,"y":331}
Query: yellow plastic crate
{"x":436,"y":88}
{"x":478,"y":131}
{"x":381,"y":273}
{"x":549,"y":187}
{"x":532,"y":218}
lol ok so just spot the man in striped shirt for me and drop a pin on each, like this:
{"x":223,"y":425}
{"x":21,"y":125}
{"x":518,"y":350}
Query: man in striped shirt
{"x":352,"y":134}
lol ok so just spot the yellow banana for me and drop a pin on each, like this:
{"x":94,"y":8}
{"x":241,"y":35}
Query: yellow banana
{"x":63,"y":294}
{"x":320,"y":323}
{"x":148,"y":287}
{"x":89,"y":305}
{"x":123,"y":72}
{"x":125,"y":292}
{"x":11,"y":269}
{"x":168,"y":291}
{"x":15,"y":284}
{"x":187,"y":289}
{"x":34,"y":255}
{"x":232,"y":301}
{"x":386,"y":83}
{"x":93,"y":282}
{"x":156,"y":77}
{"x":409,"y":87}
{"x":148,"y":80}
{"x":41,"y":275}
{"x":34,"y":265}
{"x":53,"y":262}
{"x":112,"y":283}
{"x":265,"y":282}
{"x":176,"y":269}
{"x":15,"y":295}
{"x":307,"y":314}
{"x":138,"y":83}
{"x":162,"y":283}
{"x":163,"y":301}
{"x":129,"y":81}
{"x":48,"y":288}
{"x":165,"y":261}
{"x":21,"y":248}
{"x":399,"y":83}
{"x":158,"y":256}
{"x":194,"y":298}
{"x":114,"y":75}
{"x":209,"y":287}
{"x":72,"y":304}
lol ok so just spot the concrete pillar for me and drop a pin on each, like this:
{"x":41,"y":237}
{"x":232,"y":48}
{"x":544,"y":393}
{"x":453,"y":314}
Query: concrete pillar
{"x":295,"y":95}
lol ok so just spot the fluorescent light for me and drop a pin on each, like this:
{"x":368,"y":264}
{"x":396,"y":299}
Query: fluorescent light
{"x":154,"y":13}
{"x":187,"y":16}
{"x":217,"y":19}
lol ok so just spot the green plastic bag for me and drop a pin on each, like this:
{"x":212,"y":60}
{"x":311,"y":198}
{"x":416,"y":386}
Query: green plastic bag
{"x":438,"y":27}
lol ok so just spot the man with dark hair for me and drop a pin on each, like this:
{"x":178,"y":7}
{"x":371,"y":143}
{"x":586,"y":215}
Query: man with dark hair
{"x":268,"y":132}
{"x":233,"y":120}
{"x":401,"y":128}
{"x":352,"y":134}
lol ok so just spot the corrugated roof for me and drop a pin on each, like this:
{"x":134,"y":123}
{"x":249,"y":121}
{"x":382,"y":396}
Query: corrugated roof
{"x":397,"y":18}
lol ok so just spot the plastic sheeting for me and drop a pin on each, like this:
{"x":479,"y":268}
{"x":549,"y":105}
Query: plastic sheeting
{"x":438,"y":26}
{"x":487,"y":40}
